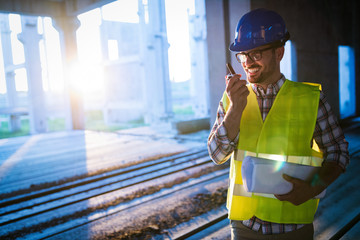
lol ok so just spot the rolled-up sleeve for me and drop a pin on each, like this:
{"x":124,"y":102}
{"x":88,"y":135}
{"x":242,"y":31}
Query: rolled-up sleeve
{"x":220,"y":147}
{"x":329,"y":135}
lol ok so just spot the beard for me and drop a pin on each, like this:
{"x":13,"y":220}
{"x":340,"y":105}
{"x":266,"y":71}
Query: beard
{"x":267,"y":72}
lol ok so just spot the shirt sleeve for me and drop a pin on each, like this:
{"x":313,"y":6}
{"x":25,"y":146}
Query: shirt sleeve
{"x":329,"y":135}
{"x":220,"y":147}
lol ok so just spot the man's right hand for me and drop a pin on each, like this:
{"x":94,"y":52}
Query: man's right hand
{"x":237,"y":92}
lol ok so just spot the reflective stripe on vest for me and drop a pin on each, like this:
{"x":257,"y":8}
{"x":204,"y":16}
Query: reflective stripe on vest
{"x":285,"y":135}
{"x":314,"y":161}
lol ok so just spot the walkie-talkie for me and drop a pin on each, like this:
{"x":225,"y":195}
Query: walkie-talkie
{"x":230,"y":68}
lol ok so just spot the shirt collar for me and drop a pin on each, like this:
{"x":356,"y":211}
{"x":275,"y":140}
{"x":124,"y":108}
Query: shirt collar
{"x":272,"y":89}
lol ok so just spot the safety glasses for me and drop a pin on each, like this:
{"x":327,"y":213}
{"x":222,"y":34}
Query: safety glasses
{"x":255,"y":55}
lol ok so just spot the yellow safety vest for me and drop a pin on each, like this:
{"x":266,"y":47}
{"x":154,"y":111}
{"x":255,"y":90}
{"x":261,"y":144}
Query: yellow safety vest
{"x":285,"y":135}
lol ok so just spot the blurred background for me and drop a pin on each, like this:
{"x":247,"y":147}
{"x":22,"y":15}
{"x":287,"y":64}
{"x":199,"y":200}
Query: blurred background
{"x":113,"y":65}
{"x":109,"y":65}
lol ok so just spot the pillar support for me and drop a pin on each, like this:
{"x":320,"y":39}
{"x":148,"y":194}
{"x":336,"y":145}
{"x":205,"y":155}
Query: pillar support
{"x":154,"y":54}
{"x":37,"y":107}
{"x":11,"y":93}
{"x":67,"y":26}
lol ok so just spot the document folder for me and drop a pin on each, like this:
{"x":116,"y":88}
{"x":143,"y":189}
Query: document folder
{"x":262,"y":175}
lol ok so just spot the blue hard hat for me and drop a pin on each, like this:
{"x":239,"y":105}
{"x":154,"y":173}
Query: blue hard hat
{"x":257,"y":28}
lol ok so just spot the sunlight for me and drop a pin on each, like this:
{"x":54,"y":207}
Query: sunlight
{"x":279,"y":159}
{"x":89,"y":70}
{"x":113,"y":49}
{"x":177,"y":24}
{"x":278,"y":166}
{"x":87,"y":76}
{"x":86,"y":79}
{"x":76,"y":78}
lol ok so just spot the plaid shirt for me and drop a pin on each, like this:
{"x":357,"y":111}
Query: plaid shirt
{"x":327,"y":134}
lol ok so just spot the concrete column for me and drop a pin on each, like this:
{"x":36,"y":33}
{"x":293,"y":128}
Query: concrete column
{"x":30,"y":38}
{"x":236,"y":10}
{"x":218,"y":44}
{"x":11,"y":94}
{"x":154,"y":54}
{"x":199,"y":82}
{"x":216,"y":48}
{"x":67,"y":27}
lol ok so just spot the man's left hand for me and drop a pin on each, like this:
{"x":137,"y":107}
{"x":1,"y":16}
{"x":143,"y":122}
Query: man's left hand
{"x":301,"y":192}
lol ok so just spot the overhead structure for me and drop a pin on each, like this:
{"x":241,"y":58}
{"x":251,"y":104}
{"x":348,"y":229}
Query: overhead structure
{"x":63,"y":13}
{"x":156,"y":89}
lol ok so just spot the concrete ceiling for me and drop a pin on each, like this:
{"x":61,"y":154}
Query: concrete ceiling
{"x":51,"y":8}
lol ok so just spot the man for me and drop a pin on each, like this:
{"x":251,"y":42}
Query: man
{"x":274,"y":117}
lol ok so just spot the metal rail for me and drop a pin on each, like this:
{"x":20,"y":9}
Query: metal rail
{"x":19,"y":213}
{"x":205,"y":228}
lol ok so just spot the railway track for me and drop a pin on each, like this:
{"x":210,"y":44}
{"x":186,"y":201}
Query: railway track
{"x":212,"y":225}
{"x":59,"y":211}
{"x":102,"y":180}
{"x":153,"y":199}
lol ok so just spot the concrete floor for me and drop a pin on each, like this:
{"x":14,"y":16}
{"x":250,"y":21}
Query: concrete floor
{"x":32,"y":161}
{"x":46,"y":158}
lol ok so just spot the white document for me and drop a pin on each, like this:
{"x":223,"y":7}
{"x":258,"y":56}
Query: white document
{"x":265,"y":176}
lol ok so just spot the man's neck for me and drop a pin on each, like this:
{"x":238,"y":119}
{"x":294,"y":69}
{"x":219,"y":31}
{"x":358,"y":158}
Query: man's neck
{"x":272,"y":80}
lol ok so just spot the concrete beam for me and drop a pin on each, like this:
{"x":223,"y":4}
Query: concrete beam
{"x":50,"y":8}
{"x":33,"y":7}
{"x":76,"y":7}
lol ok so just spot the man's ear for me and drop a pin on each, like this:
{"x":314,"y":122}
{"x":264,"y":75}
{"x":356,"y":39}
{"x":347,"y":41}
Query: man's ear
{"x":280,"y":53}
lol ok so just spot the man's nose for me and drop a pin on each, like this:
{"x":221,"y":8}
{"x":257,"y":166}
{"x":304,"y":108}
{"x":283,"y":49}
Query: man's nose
{"x":248,"y":61}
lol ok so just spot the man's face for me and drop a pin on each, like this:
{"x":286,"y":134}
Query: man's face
{"x":259,"y":71}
